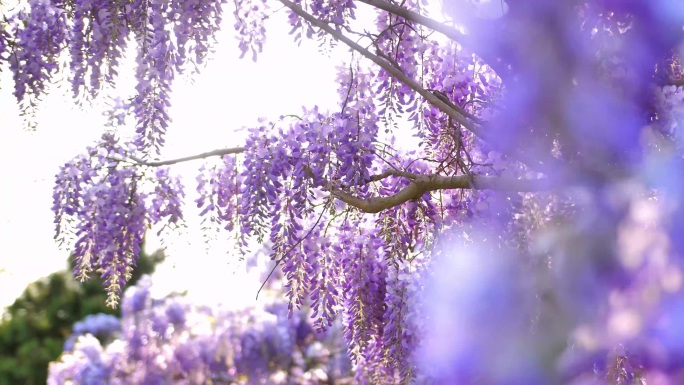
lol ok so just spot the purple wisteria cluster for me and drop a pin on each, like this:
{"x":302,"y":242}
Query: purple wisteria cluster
{"x":336,"y":13}
{"x":249,"y":19}
{"x":98,"y":38}
{"x":104,"y":209}
{"x":217,"y":186}
{"x":103,"y":326}
{"x":516,"y":188}
{"x":402,"y":45}
{"x":171,"y":36}
{"x":32,"y":42}
{"x":168,"y":340}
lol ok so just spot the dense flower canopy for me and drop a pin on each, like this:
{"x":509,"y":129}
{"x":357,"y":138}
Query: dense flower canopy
{"x":540,"y":198}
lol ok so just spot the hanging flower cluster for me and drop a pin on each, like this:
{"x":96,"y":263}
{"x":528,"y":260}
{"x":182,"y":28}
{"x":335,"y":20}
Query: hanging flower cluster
{"x":95,"y":33}
{"x":108,"y":208}
{"x":35,"y":39}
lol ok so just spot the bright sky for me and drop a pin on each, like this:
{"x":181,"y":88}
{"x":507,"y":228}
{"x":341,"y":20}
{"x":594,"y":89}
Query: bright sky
{"x":229,"y":94}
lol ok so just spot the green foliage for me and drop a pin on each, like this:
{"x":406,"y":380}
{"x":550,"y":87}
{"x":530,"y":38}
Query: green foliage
{"x":35,"y":326}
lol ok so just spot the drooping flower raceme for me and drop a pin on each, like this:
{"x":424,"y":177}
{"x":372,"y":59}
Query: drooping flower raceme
{"x":36,"y":39}
{"x":107,"y":209}
{"x":96,"y":34}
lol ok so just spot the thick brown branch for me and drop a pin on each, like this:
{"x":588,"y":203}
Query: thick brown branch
{"x":421,"y":184}
{"x":457,"y":114}
{"x":219,"y":152}
{"x":674,"y":82}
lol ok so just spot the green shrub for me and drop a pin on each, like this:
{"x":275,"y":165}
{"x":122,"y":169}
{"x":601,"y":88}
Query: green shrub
{"x":34,"y":328}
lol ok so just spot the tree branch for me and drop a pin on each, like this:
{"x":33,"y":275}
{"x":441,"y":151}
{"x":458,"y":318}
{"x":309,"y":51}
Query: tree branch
{"x":450,"y":32}
{"x":218,"y":152}
{"x":421,"y":184}
{"x":393,"y":172}
{"x":673,"y":82}
{"x":457,"y":114}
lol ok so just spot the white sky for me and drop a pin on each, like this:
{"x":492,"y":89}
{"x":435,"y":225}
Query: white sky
{"x":229,"y":94}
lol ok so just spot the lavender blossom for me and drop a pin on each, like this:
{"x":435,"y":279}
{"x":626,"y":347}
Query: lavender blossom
{"x":167,"y":340}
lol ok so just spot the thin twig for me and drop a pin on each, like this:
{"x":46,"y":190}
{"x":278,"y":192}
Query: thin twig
{"x":277,"y":262}
{"x":218,"y":152}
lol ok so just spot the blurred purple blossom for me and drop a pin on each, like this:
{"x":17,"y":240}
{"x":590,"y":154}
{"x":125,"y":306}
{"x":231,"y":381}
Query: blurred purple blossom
{"x":166,"y":340}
